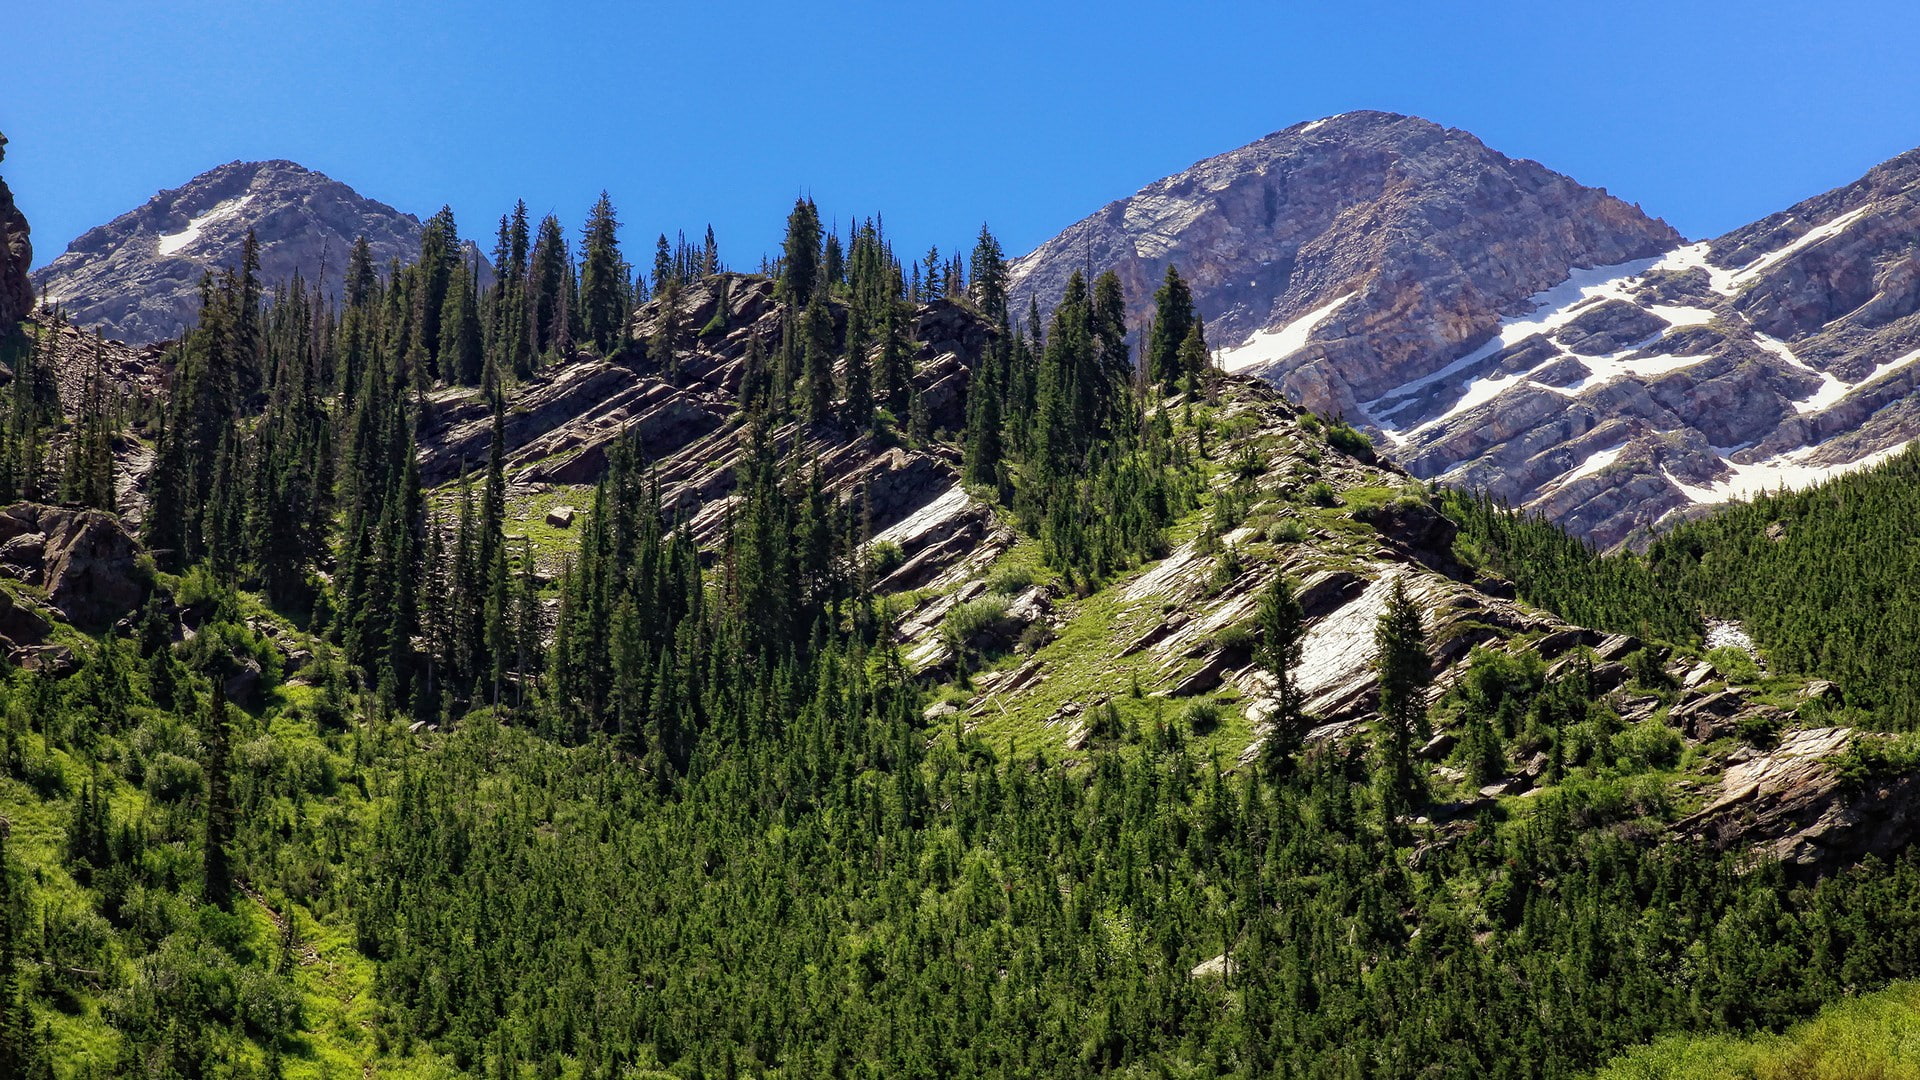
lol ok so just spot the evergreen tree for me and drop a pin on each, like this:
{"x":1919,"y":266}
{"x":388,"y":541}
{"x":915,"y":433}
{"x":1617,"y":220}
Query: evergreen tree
{"x":800,"y":267}
{"x":1282,"y":625}
{"x":1405,"y":670}
{"x":603,"y":301}
{"x":989,"y":272}
{"x":1173,"y":319}
{"x":216,"y":877}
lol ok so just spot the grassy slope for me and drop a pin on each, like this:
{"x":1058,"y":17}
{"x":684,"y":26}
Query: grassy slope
{"x":1872,"y":1037}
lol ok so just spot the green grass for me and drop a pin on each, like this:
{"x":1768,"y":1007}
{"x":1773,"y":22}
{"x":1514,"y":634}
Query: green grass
{"x":1872,"y":1037}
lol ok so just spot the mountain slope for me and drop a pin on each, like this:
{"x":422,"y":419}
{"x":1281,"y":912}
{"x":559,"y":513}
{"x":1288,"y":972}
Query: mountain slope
{"x":137,"y":277}
{"x":1777,"y":355}
{"x":1390,"y":243}
{"x":1501,"y":328}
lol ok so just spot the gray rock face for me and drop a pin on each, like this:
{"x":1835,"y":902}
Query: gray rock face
{"x":16,"y":257}
{"x":1422,"y":235}
{"x":1781,"y":354}
{"x":84,"y":559}
{"x":137,"y":278}
{"x":1496,"y":326}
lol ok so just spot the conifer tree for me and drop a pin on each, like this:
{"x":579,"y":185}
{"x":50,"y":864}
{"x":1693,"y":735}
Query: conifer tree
{"x":216,"y":877}
{"x":989,"y":272}
{"x":1405,"y":669}
{"x":603,"y":279}
{"x":800,"y":267}
{"x":1173,"y":318}
{"x":1282,"y":630}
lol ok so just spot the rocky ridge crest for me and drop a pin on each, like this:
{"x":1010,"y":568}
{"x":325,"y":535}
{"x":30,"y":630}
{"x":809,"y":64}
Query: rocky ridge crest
{"x":137,"y":278}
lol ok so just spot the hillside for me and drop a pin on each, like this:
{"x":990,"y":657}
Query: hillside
{"x":730,"y":681}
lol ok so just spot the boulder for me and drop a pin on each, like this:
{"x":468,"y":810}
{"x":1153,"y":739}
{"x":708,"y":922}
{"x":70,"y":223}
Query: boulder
{"x":561,"y":517}
{"x":86,"y":561}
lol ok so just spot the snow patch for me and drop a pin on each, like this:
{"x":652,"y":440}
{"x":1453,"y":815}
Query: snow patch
{"x":1268,"y":346}
{"x":1724,"y":632}
{"x":1806,"y":240}
{"x":1831,"y":389}
{"x":1595,"y":461}
{"x":1548,"y":310}
{"x":174,"y":243}
{"x":1792,"y":471}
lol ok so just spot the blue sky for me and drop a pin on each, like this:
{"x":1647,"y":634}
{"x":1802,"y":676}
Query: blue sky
{"x":1026,"y":115}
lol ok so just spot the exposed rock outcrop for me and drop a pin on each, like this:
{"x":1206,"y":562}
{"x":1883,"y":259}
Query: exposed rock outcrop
{"x":16,"y":257}
{"x":84,"y":560}
{"x":1790,"y":803}
{"x":137,"y":278}
{"x":1389,"y":243}
{"x":1500,"y":327}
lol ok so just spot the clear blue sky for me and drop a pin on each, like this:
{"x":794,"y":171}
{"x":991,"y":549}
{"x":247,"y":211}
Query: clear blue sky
{"x":1028,"y":115}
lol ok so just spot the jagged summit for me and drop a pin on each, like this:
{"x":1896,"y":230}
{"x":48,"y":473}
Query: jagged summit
{"x":137,"y":277}
{"x":1501,"y":327}
{"x":1418,"y":234}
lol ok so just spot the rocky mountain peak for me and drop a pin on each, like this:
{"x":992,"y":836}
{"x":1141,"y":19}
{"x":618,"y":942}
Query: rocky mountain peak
{"x":16,"y":256}
{"x":137,"y":277}
{"x":1403,"y":240}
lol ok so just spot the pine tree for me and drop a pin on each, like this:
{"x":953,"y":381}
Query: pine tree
{"x":989,"y":271}
{"x":603,"y":278}
{"x":800,"y":267}
{"x":216,"y":877}
{"x":816,"y":384}
{"x":1173,"y":319}
{"x":1405,"y":670}
{"x":1282,"y":625}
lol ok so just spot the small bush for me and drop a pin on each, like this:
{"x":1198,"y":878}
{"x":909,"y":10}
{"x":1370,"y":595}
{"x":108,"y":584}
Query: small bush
{"x":1011,"y":579}
{"x":1650,"y":744}
{"x":1202,"y":717}
{"x":1320,"y":493}
{"x":1288,"y":531}
{"x":972,"y":619}
{"x":1237,"y":638}
{"x":1343,"y":437}
{"x":884,"y":558}
{"x":1734,"y":664}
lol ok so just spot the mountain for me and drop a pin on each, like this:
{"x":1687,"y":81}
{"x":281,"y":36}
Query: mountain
{"x":1497,"y":326}
{"x":137,"y":278}
{"x":16,"y":256}
{"x":1634,"y":395}
{"x":1389,"y":242}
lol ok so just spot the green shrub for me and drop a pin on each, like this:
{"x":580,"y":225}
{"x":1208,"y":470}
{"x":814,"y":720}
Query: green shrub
{"x":1288,"y":531}
{"x":884,"y":557}
{"x":1320,"y":493}
{"x":1650,"y":744}
{"x":1734,"y":664}
{"x":972,"y":619}
{"x":1202,"y":717}
{"x":1343,"y":437}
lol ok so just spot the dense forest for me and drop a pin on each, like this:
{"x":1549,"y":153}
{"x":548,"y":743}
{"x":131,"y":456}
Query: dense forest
{"x":683,"y":810}
{"x":1823,"y":579}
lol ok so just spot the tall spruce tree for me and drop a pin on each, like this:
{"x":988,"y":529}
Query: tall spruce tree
{"x":603,"y":279}
{"x":1173,"y":319}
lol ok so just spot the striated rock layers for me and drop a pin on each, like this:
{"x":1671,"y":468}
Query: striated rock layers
{"x":137,"y":278}
{"x":1499,"y":327}
{"x":1422,"y":235}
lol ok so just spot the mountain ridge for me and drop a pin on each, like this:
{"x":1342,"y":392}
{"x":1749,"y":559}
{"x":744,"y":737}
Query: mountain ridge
{"x":136,"y":278}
